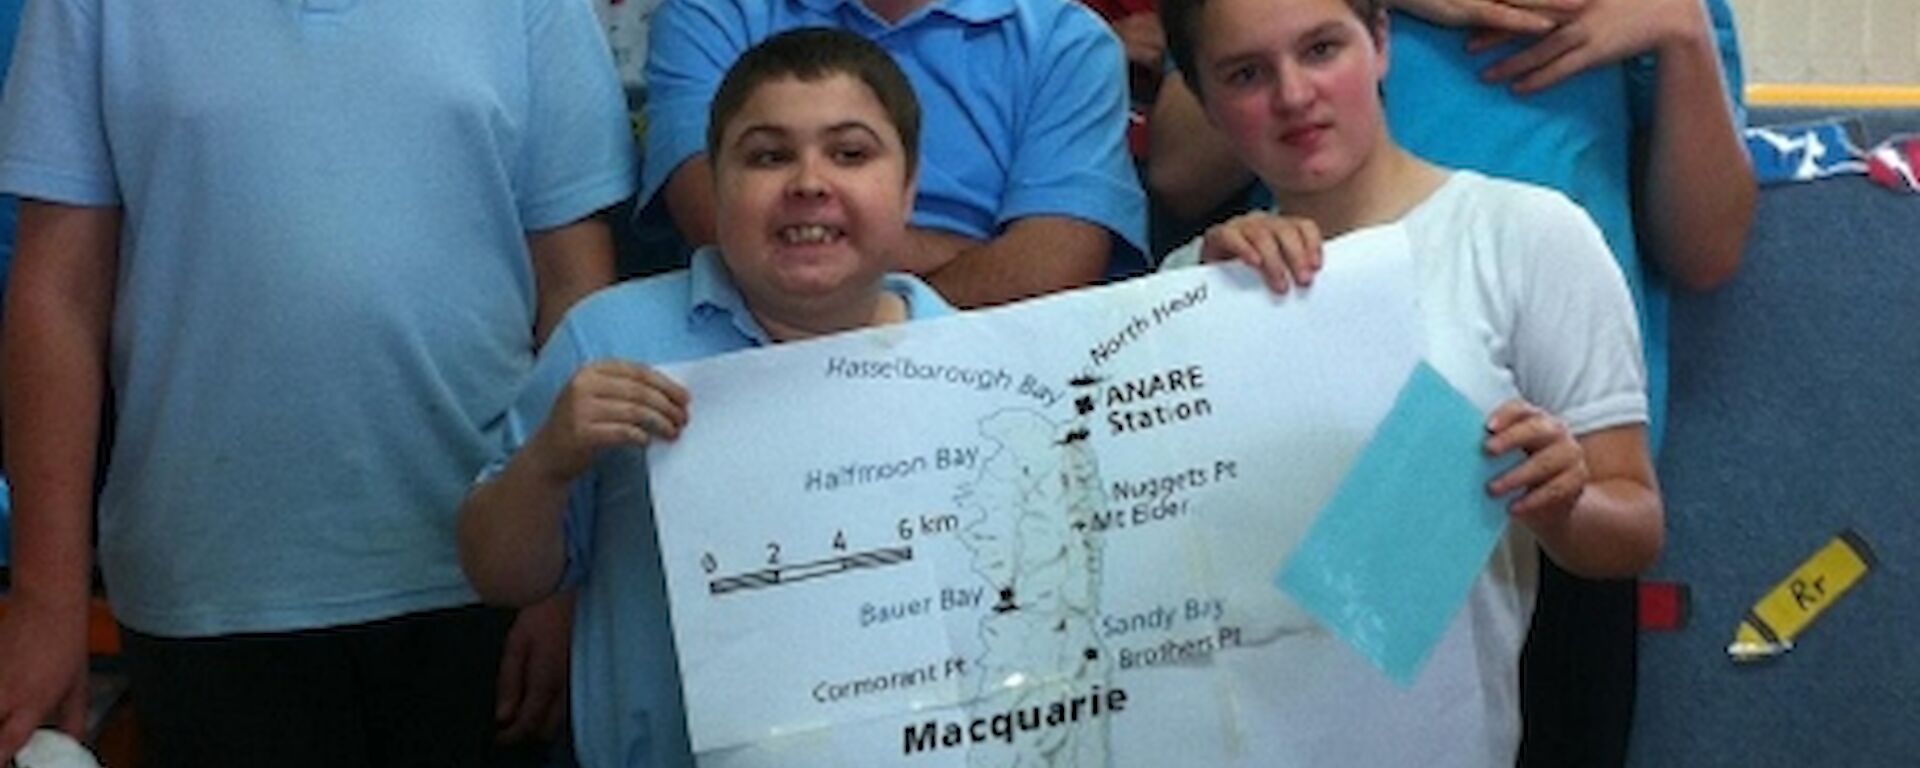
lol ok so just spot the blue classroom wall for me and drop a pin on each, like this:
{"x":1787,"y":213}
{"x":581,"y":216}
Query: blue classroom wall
{"x":1795,"y":407}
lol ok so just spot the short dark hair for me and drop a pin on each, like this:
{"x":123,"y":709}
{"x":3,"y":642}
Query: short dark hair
{"x":1181,"y":19}
{"x":811,"y":54}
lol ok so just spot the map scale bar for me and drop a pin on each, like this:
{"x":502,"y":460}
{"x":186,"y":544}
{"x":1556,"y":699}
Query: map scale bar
{"x":788,"y":574}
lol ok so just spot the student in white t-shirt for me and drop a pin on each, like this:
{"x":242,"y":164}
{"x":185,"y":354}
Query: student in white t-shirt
{"x":1526,"y":312}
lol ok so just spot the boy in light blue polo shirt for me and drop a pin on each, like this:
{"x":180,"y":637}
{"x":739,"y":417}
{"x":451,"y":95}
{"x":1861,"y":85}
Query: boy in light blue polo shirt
{"x":309,"y":244}
{"x":812,"y":145}
{"x":1026,"y":184}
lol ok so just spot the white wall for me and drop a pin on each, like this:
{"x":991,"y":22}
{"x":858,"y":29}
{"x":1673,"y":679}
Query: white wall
{"x":1830,"y":41}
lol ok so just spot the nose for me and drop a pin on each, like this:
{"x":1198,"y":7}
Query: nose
{"x":807,"y":181}
{"x":1292,"y":92}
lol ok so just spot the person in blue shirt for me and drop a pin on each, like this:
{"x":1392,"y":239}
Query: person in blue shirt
{"x":308,"y":250}
{"x":812,"y":149}
{"x":1026,"y":185}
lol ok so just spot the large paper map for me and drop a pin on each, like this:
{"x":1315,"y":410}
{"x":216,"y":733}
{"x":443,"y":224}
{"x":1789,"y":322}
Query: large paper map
{"x":1044,"y":535}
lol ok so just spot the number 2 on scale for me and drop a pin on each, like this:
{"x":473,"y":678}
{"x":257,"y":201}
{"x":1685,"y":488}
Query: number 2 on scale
{"x":709,"y":563}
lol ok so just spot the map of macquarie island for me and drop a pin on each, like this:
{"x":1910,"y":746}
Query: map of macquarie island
{"x":1043,"y":535}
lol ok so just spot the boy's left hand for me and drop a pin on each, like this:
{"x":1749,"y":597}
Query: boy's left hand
{"x":1554,"y":473}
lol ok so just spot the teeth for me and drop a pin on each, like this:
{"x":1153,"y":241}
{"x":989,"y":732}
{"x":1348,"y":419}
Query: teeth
{"x":808,"y":234}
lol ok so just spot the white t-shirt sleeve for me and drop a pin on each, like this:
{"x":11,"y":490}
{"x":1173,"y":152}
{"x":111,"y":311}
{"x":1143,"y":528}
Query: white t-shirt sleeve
{"x":1575,"y":340}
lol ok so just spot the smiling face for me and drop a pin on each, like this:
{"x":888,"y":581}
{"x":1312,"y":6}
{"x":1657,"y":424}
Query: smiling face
{"x":1295,"y":85}
{"x":812,"y":192}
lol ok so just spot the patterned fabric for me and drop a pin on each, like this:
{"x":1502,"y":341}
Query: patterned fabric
{"x":1791,"y":153}
{"x":1893,"y":164}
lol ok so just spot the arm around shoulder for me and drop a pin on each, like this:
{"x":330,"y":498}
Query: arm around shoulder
{"x":1695,"y":200}
{"x":1697,"y":203}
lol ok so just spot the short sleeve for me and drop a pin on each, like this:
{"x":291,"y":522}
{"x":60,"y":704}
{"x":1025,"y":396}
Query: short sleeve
{"x":689,"y":49}
{"x":1576,"y":342}
{"x":559,"y":360}
{"x":578,"y":156}
{"x":1071,"y":158}
{"x":53,"y":138}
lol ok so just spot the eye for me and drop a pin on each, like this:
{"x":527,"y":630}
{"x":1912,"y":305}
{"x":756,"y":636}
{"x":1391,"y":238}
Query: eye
{"x":767,"y":157}
{"x":1322,"y":50}
{"x":1241,"y":75}
{"x":851,"y":154}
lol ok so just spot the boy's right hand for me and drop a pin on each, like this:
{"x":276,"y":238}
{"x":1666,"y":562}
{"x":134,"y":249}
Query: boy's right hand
{"x":608,"y":403}
{"x":1283,"y":249}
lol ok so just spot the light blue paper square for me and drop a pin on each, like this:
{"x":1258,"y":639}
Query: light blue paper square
{"x":1390,"y":558}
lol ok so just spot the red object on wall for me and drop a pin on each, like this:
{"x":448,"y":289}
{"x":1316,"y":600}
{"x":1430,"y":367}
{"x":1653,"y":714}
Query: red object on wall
{"x":1664,"y":606}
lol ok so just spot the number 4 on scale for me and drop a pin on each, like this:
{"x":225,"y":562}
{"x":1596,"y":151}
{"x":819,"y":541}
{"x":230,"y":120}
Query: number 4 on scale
{"x":709,"y":563}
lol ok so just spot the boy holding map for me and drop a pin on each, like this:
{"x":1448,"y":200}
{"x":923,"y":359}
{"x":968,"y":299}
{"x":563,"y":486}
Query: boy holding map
{"x":813,"y":143}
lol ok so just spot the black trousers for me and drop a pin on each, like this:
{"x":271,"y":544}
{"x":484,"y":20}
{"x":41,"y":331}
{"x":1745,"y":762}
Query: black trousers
{"x":1578,"y":671}
{"x":415,"y":691}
